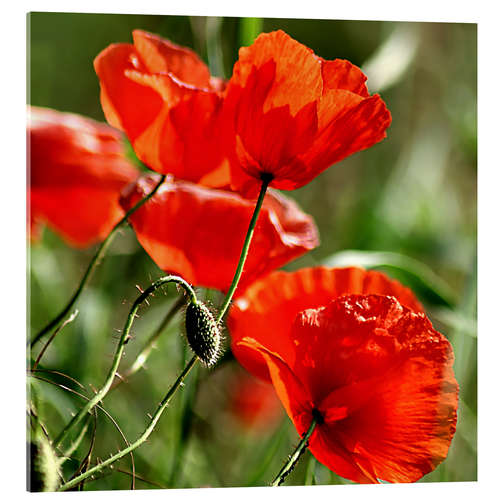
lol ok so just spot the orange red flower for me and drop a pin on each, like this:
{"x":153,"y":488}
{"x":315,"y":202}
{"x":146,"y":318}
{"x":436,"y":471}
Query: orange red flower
{"x":293,"y":114}
{"x":77,"y":168}
{"x":198,"y":232}
{"x":163,"y":97}
{"x":269,"y":306}
{"x":373,"y":373}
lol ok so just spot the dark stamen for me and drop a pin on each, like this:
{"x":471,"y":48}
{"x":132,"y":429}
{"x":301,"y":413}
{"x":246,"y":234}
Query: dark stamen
{"x":317,"y":416}
{"x":266,"y":177}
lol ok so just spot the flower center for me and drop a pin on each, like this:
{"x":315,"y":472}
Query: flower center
{"x":317,"y":416}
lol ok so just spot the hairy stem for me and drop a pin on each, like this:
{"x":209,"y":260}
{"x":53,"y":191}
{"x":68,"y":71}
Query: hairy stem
{"x":119,"y":351}
{"x":294,"y":457}
{"x":142,"y":438}
{"x":143,"y":355}
{"x":93,"y":264}
{"x":244,"y":252}
{"x":98,"y":397}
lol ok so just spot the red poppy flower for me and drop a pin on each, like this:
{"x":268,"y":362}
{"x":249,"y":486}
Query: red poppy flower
{"x":378,"y":380}
{"x":294,"y":114}
{"x":253,"y":403}
{"x":77,"y":168}
{"x":163,"y":97}
{"x":198,"y":232}
{"x":269,"y":306}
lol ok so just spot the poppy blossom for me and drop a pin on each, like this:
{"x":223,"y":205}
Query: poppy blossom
{"x":253,"y":403}
{"x":163,"y":97}
{"x":269,"y":306}
{"x":77,"y":168}
{"x":377,"y":379}
{"x":293,"y":114}
{"x":198,"y":232}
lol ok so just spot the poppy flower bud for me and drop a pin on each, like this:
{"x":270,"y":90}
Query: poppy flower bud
{"x":203,"y":333}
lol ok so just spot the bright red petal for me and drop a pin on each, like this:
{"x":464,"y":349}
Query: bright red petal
{"x":82,"y":216}
{"x":295,"y":114}
{"x":198,"y":232}
{"x":298,"y":80}
{"x":77,"y":168}
{"x":341,"y":74}
{"x":163,"y":97}
{"x":162,"y":56}
{"x":267,"y":309}
{"x":382,"y":378}
{"x":293,"y":395}
{"x":347,"y":124}
{"x":120,"y":95}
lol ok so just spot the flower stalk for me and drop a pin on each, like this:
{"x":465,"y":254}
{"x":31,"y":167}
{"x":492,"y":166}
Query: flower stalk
{"x":142,"y":438}
{"x":143,"y":355}
{"x":266,"y":180}
{"x":93,"y":264}
{"x":119,"y":351}
{"x":294,"y":457}
{"x":125,"y":336}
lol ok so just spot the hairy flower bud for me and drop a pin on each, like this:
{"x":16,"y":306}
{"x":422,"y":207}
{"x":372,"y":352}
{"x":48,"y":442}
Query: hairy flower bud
{"x":203,"y":333}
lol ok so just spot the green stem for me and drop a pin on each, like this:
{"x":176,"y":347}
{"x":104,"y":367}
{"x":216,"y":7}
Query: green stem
{"x":98,"y":397}
{"x":246,"y":245}
{"x":143,"y":437}
{"x":119,"y":351}
{"x":93,"y":264}
{"x":143,"y":355}
{"x":186,"y":421}
{"x":74,"y":446}
{"x":52,"y":337}
{"x":294,"y":457}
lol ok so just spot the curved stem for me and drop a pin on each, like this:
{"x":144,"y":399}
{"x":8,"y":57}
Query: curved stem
{"x":93,"y":264}
{"x":52,"y":337}
{"x":119,"y":351}
{"x":149,"y":429}
{"x":244,"y":252}
{"x":124,"y":338}
{"x":294,"y":457}
{"x":143,"y":355}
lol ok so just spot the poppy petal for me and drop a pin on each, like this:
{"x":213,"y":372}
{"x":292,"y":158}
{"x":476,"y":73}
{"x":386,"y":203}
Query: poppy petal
{"x":292,"y":394}
{"x":163,"y":97}
{"x":120,"y":94}
{"x":274,"y":81}
{"x":347,"y":125}
{"x":163,"y":56}
{"x":341,"y":74}
{"x":184,"y":228}
{"x":298,"y":80}
{"x":267,"y":309}
{"x":331,"y":453}
{"x":88,"y":215}
{"x":80,"y":165}
{"x":393,"y":396}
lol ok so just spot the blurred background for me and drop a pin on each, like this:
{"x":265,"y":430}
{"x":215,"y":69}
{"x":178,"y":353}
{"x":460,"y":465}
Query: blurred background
{"x":406,"y":206}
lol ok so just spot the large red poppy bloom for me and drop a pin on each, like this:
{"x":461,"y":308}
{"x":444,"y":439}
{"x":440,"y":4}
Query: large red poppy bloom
{"x":198,"y":232}
{"x":378,"y":380}
{"x":269,"y":306}
{"x":294,"y":114}
{"x":163,"y":97}
{"x":77,"y":168}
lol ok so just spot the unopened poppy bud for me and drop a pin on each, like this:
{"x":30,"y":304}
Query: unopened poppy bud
{"x":203,"y":333}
